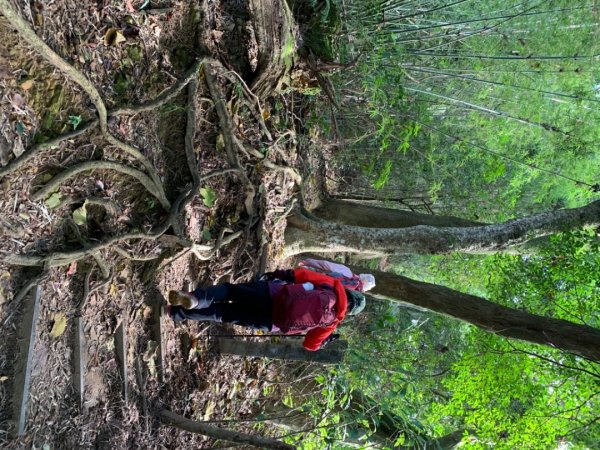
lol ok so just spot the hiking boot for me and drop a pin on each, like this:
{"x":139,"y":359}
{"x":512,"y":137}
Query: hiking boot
{"x":183,"y":299}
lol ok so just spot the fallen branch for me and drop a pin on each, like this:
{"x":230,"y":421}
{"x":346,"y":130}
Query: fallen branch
{"x":55,"y":182}
{"x":171,"y":418}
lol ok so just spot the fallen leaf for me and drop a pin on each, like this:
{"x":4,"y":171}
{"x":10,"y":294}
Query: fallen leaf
{"x":266,"y":114}
{"x":113,"y":36}
{"x":210,"y":408}
{"x":27,"y":84}
{"x":129,"y":5}
{"x":80,"y":215}
{"x":60,"y":324}
{"x":18,"y":101}
{"x":3,"y":378}
{"x":53,"y":201}
{"x":72,"y":268}
{"x":113,"y":290}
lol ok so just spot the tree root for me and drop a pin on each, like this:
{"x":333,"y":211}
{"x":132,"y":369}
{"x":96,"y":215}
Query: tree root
{"x":34,"y":150}
{"x":57,"y":259}
{"x":286,"y":170}
{"x":190,"y":133}
{"x":125,"y":254}
{"x":25,"y":30}
{"x":229,"y":137}
{"x":259,"y":110}
{"x":27,"y":33}
{"x":165,"y":96}
{"x":55,"y":182}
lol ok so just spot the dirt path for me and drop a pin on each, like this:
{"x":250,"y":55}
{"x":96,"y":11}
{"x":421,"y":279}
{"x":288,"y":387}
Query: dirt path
{"x":132,"y":57}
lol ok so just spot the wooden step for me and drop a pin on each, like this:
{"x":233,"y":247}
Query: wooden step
{"x":31,"y":305}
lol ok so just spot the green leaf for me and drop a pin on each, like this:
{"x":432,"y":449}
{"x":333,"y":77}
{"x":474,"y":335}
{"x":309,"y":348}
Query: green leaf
{"x":80,"y":215}
{"x":53,"y":201}
{"x":206,"y":234}
{"x":74,"y":121}
{"x":208,"y":196}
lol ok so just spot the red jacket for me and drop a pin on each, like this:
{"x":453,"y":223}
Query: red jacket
{"x":316,"y":336}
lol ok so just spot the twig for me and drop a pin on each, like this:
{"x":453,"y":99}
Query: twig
{"x":259,"y":113}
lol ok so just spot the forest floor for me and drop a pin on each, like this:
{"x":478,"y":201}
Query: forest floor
{"x":131,"y":57}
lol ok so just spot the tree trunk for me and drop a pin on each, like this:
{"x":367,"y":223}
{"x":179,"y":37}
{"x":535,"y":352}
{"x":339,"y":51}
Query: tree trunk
{"x":560,"y":334}
{"x":289,"y":350}
{"x":274,"y":26}
{"x":307,"y":234}
{"x":170,"y":418}
{"x":361,"y":215}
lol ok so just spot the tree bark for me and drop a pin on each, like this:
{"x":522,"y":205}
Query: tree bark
{"x":308,"y":234}
{"x":171,"y":418}
{"x":361,"y":215}
{"x":512,"y":323}
{"x":273,"y":23}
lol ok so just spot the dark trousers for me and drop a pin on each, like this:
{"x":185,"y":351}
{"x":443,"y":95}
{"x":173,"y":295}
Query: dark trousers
{"x":246,"y":304}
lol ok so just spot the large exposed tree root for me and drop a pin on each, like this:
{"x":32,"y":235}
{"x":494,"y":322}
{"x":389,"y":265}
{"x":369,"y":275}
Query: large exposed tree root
{"x":55,"y":182}
{"x":150,"y":180}
{"x":25,"y":30}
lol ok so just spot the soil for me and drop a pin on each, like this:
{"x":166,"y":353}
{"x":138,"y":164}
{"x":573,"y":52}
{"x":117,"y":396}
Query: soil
{"x":131,"y":56}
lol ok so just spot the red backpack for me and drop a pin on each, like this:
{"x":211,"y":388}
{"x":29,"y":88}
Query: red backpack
{"x":296,"y":310}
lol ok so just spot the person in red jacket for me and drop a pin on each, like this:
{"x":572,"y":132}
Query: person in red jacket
{"x":284,"y":301}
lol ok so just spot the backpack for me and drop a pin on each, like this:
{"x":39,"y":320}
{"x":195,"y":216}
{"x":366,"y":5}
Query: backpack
{"x":296,"y":310}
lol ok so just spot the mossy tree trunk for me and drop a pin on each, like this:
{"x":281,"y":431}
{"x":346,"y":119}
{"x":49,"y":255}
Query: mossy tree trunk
{"x":368,"y":216}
